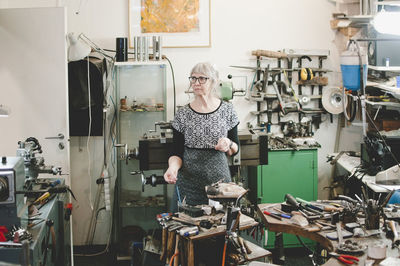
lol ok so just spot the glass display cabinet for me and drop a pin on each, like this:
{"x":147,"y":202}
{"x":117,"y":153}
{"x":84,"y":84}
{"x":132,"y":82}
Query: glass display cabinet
{"x":140,"y":91}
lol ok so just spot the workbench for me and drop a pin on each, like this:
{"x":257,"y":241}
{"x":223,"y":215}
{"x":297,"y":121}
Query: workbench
{"x":351,"y":163}
{"x":287,"y":171}
{"x":190,"y":243}
{"x":275,"y":225}
{"x":51,"y":243}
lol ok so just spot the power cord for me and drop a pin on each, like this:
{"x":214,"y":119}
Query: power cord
{"x":173,"y":81}
{"x":89,"y":132}
{"x":172,"y":73}
{"x":311,"y":256}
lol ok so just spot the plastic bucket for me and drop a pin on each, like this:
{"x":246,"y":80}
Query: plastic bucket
{"x":350,"y":66}
{"x":351,"y":76}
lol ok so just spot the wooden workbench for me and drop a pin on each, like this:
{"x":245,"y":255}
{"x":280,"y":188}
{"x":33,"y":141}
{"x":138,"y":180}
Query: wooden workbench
{"x":284,"y":226}
{"x":190,"y":242}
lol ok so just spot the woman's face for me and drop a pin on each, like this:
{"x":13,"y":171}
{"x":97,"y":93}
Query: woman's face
{"x":201,"y":84}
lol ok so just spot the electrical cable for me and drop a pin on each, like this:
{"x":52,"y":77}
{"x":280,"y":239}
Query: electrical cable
{"x":88,"y":138}
{"x":93,"y":218}
{"x":95,"y":225}
{"x":224,"y":253}
{"x":344,"y":102}
{"x":172,"y":73}
{"x":353,"y":110}
{"x":112,"y":132}
{"x":172,"y":258}
{"x":304,"y":245}
{"x":173,"y":82}
{"x":107,"y":246}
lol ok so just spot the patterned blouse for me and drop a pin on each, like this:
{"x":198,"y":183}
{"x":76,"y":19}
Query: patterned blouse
{"x":203,"y":130}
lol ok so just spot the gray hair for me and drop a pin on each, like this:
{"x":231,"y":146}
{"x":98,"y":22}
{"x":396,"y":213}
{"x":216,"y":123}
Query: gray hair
{"x":207,"y":69}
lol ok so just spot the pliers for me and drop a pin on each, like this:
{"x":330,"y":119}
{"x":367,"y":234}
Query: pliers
{"x":344,"y":258}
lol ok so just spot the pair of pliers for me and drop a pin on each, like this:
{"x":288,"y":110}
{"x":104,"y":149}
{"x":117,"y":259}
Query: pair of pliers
{"x":347,"y":259}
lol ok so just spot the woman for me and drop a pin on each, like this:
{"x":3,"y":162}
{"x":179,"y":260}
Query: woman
{"x":205,"y":130}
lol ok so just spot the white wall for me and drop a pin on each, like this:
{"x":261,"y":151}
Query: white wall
{"x":237,"y":28}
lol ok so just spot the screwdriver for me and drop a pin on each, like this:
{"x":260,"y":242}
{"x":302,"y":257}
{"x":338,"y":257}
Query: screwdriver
{"x":273,"y":215}
{"x":287,"y":216}
{"x":42,"y":198}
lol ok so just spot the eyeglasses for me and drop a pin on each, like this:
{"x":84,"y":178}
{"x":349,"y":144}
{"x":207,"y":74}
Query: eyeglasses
{"x":201,"y":80}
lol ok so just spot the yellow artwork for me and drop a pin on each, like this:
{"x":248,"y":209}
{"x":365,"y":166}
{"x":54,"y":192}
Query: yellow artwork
{"x":170,"y":16}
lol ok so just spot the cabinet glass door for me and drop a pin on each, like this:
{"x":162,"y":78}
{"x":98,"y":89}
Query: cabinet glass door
{"x":140,"y":92}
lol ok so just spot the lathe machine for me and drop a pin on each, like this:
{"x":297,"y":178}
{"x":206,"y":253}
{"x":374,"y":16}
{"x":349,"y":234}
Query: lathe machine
{"x":34,"y":212}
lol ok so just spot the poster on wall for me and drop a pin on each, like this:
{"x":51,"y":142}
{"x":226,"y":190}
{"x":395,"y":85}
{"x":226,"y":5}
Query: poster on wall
{"x":181,"y":23}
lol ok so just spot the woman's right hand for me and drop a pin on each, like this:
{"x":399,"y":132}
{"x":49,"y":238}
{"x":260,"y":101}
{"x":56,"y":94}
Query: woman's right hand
{"x":170,"y":175}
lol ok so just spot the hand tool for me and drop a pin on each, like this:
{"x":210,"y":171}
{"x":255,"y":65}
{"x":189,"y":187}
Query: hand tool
{"x":348,"y":199}
{"x":271,"y":54}
{"x":313,"y":229}
{"x":396,"y":239}
{"x":186,"y":221}
{"x":326,"y":224}
{"x":287,"y":216}
{"x":272,"y":215}
{"x":347,"y":259}
{"x":248,"y":250}
{"x":42,"y":197}
{"x":316,"y":206}
{"x":291,"y":200}
{"x":242,"y":247}
{"x":339,"y":233}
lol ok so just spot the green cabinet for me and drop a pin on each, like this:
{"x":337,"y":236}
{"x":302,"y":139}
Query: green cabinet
{"x":287,"y":171}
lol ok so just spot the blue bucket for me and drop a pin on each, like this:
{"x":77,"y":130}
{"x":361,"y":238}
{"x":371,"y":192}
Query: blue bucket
{"x":350,"y":65}
{"x":351,"y":76}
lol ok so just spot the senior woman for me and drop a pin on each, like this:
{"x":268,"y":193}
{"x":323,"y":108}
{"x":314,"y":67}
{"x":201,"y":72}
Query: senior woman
{"x":204,"y":131}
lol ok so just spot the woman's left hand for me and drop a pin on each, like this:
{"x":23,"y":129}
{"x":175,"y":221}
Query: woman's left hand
{"x":224,"y":145}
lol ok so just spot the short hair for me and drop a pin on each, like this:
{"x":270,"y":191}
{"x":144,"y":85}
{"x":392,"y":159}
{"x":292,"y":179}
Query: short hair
{"x":208,"y":70}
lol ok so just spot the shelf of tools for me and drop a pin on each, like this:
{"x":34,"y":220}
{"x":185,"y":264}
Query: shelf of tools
{"x":292,"y":108}
{"x":274,"y":93}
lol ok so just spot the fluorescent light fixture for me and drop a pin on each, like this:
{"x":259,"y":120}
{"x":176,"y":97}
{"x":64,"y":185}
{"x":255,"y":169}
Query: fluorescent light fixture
{"x":387,"y":22}
{"x":4,"y":111}
{"x":77,"y":49}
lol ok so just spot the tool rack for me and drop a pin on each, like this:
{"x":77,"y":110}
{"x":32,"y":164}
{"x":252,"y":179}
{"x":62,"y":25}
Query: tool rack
{"x":267,"y":76}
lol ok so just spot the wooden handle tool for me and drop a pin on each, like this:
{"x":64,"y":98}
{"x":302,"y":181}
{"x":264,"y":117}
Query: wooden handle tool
{"x":267,"y":53}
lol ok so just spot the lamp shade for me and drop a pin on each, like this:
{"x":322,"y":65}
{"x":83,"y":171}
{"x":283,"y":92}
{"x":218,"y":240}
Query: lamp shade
{"x":387,"y":22}
{"x":77,"y":49}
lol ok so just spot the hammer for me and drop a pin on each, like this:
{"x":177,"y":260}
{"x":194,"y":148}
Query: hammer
{"x":396,"y":239}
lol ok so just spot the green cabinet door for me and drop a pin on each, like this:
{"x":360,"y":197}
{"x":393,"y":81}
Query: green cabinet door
{"x":288,"y":171}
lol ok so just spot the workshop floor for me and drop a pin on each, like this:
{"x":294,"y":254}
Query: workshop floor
{"x":294,"y":257}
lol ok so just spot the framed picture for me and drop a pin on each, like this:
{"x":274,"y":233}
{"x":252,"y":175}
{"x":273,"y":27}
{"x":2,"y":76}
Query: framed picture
{"x":181,"y":23}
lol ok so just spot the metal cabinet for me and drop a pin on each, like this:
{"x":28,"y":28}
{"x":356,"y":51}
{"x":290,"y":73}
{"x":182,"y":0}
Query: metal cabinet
{"x":141,"y":101}
{"x":287,"y":171}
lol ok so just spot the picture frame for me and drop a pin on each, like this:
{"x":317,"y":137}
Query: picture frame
{"x":196,"y":34}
